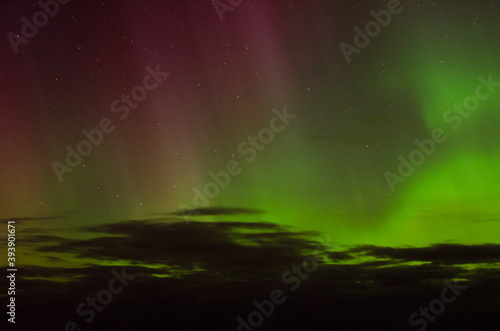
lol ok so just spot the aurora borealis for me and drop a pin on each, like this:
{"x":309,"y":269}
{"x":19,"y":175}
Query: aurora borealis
{"x":232,"y":147}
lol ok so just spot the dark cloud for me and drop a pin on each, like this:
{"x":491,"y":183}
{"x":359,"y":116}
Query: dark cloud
{"x":216,"y":211}
{"x":27,"y":219}
{"x":221,"y":246}
{"x":441,"y":254}
{"x":213,"y":271}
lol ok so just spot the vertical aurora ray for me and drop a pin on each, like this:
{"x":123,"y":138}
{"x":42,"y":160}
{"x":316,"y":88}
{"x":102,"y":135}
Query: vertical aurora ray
{"x":456,"y":186}
{"x":312,"y":197}
{"x":324,"y":172}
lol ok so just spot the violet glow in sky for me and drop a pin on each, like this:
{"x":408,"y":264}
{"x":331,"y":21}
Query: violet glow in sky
{"x":215,"y":93}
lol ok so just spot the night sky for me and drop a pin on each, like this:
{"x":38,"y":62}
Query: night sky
{"x":209,"y":146}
